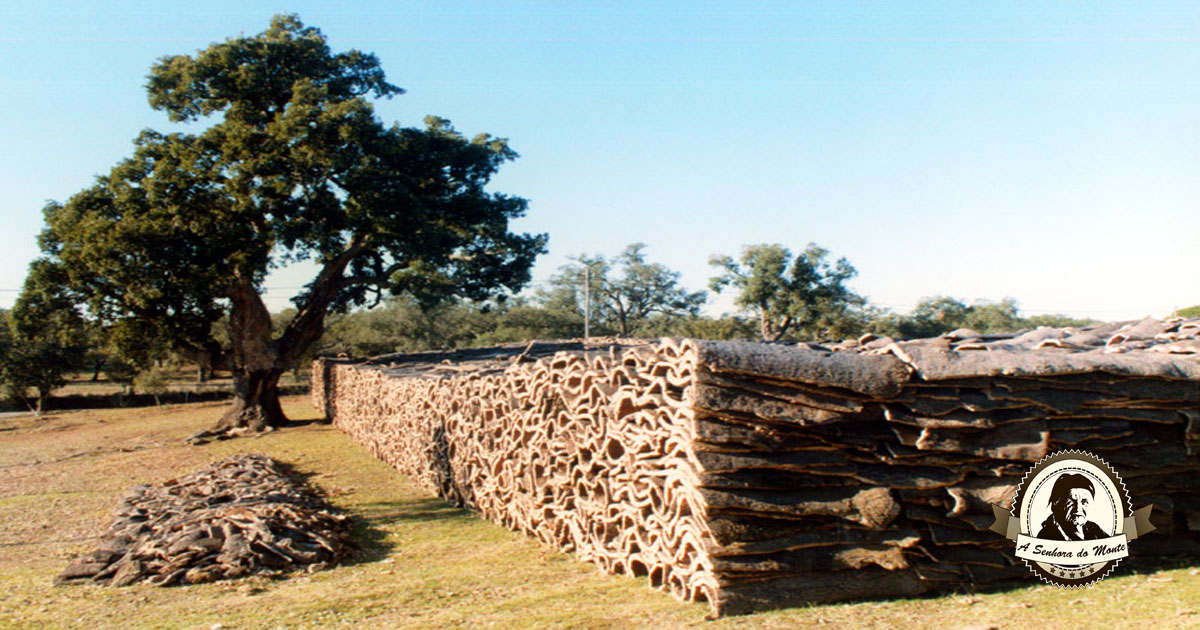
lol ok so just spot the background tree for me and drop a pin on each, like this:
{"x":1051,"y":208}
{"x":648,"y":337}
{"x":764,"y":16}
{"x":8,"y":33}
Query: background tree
{"x":933,"y":316}
{"x":699,"y":327}
{"x":295,"y":166}
{"x":993,"y":317}
{"x":1057,"y":320}
{"x":153,"y":381}
{"x":937,"y":315}
{"x":44,"y":338}
{"x":1191,"y":311}
{"x":5,"y":351}
{"x":805,"y":295}
{"x":518,"y":320}
{"x":625,"y":292}
{"x":403,"y":324}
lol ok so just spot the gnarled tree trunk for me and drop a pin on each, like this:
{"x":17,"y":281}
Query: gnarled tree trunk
{"x":257,"y":359}
{"x":767,"y":326}
{"x":256,"y":364}
{"x":256,"y":405}
{"x":256,"y":368}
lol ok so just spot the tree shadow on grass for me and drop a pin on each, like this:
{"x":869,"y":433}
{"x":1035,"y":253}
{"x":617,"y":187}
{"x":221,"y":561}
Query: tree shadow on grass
{"x":369,"y":522}
{"x":293,"y":423}
{"x":369,"y":526}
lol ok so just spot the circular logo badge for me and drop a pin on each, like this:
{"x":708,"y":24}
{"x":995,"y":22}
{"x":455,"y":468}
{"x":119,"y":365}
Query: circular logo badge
{"x":1071,"y":510}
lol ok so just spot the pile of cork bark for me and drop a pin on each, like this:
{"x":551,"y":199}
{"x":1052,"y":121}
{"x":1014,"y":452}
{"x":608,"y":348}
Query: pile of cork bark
{"x":760,"y":475}
{"x":240,"y":516}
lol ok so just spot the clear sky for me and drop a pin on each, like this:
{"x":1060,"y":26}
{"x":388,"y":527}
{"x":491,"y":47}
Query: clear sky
{"x":1048,"y":152}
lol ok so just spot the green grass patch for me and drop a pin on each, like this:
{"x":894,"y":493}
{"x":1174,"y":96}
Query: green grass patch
{"x":423,"y":564}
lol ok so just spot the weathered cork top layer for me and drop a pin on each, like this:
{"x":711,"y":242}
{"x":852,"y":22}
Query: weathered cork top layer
{"x":881,"y":366}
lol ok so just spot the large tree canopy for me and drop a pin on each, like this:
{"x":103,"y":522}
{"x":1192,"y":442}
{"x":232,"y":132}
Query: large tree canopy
{"x":293,"y":165}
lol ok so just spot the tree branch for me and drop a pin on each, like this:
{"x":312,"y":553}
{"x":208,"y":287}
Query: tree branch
{"x":308,"y":324}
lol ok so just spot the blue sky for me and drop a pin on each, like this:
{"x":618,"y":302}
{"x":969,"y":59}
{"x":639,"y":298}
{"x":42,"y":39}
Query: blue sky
{"x":1042,"y":151}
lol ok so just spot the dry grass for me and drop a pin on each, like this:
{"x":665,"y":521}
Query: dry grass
{"x":423,"y":564}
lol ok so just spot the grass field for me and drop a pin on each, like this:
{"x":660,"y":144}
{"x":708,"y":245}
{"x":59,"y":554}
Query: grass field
{"x":422,"y":565}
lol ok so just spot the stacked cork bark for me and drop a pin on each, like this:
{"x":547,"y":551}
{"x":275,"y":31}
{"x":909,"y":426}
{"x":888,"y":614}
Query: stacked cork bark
{"x":756,"y":476}
{"x":588,"y":449}
{"x":240,"y":516}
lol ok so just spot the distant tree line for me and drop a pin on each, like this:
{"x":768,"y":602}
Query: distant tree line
{"x":781,"y":296}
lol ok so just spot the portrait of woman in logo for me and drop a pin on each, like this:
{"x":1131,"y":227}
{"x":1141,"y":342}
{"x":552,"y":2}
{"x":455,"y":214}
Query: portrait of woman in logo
{"x":1070,"y":499}
{"x":1073,"y":520}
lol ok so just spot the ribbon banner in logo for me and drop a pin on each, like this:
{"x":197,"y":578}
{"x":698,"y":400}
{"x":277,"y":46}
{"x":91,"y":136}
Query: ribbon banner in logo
{"x":1072,"y":551}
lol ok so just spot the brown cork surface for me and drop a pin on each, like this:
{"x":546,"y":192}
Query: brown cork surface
{"x":763,"y":475}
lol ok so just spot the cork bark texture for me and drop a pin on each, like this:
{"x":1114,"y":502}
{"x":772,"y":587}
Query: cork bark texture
{"x":754,"y":476}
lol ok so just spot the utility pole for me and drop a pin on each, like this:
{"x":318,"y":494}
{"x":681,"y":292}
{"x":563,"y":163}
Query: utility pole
{"x":587,"y":301}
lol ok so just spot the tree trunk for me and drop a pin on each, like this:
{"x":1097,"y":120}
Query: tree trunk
{"x":35,"y":410}
{"x":256,"y":406}
{"x":96,"y":367}
{"x":208,"y":357}
{"x":256,"y":367}
{"x":768,"y":329}
{"x":257,"y":360}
